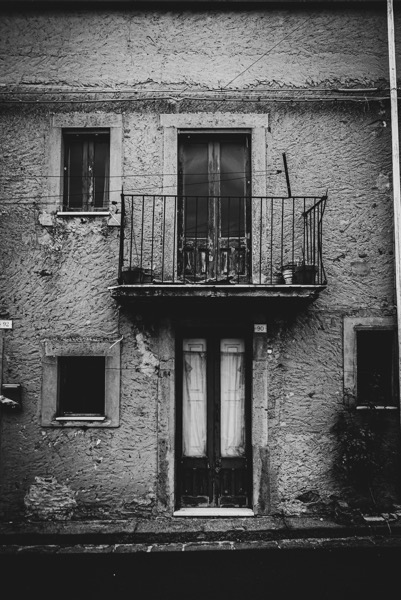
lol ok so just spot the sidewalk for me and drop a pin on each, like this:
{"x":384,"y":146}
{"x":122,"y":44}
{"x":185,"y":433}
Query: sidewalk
{"x":197,"y":534}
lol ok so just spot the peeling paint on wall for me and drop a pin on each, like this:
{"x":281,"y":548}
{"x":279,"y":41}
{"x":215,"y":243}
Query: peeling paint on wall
{"x":49,"y":500}
{"x":149,"y":363}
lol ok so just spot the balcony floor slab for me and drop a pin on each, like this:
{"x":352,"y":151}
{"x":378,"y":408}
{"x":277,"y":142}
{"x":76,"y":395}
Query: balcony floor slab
{"x":154,"y":292}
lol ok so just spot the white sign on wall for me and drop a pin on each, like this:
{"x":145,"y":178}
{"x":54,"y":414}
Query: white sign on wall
{"x":260,"y":328}
{"x":4,"y":324}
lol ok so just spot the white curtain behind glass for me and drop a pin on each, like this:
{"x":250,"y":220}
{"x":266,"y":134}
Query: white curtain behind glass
{"x":194,"y":397}
{"x":232,"y":380}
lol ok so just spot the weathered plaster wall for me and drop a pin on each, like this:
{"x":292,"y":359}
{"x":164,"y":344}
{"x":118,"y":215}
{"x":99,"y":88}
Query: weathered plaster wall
{"x":54,"y":279}
{"x":197,"y":48}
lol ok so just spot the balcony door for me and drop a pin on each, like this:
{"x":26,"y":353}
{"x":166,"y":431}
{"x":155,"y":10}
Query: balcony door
{"x":213,"y":425}
{"x":214,"y":206}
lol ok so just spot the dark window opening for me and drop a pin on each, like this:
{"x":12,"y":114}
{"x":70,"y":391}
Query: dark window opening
{"x":86,"y":169}
{"x":377,"y":380}
{"x":81,"y":385}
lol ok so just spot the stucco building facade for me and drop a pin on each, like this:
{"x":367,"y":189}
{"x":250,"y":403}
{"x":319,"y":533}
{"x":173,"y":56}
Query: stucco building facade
{"x":109,"y":114}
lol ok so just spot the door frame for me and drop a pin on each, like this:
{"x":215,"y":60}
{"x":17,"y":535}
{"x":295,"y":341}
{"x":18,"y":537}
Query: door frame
{"x":214,"y":333}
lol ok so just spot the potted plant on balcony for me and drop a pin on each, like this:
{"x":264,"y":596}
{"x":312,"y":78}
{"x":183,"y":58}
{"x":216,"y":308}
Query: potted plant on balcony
{"x":288,"y":270}
{"x":135,"y":274}
{"x":305,"y":273}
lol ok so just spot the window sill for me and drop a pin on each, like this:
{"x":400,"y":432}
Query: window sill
{"x":114,"y":219}
{"x":81,"y":213}
{"x":214,"y":512}
{"x":375,"y":407}
{"x":79,"y":418}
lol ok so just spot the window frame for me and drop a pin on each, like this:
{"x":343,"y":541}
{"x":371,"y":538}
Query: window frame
{"x":53,"y":350}
{"x":351,"y":326}
{"x":58,"y":122}
{"x":257,"y":125}
{"x":88,"y":191}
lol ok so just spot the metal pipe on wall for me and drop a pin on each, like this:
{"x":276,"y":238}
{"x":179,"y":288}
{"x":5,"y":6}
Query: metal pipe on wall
{"x":396,"y":168}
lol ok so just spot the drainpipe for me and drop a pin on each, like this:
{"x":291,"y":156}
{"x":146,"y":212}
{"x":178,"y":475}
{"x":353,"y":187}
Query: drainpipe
{"x":396,"y":169}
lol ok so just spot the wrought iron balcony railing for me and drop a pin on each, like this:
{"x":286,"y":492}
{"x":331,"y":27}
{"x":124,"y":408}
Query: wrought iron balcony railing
{"x":259,"y":241}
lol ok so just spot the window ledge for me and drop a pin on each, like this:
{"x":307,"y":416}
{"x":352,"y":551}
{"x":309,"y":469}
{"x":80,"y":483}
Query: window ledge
{"x":214,"y":512}
{"x":375,"y":407}
{"x":80,"y":418}
{"x":80,"y":213}
{"x":114,"y":219}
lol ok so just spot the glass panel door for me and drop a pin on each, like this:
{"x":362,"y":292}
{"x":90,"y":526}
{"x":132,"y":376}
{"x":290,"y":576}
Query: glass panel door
{"x":232,"y":386}
{"x":214,"y":206}
{"x":194,"y":397}
{"x":213,"y":445}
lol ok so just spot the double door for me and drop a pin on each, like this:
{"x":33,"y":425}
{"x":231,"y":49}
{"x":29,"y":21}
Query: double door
{"x":214,"y":206}
{"x":213,"y":425}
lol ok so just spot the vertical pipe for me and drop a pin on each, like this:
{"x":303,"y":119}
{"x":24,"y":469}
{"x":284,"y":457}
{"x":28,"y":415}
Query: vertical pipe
{"x":175,"y":236}
{"x":287,"y":177}
{"x":121,"y":257}
{"x":132,"y":231}
{"x":293,"y":232}
{"x":396,"y":167}
{"x":163,"y":234}
{"x":271,"y":238}
{"x":142,"y":229}
{"x":260,"y":240}
{"x":153,"y":236}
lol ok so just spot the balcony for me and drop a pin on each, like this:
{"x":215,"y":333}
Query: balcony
{"x":220,"y":247}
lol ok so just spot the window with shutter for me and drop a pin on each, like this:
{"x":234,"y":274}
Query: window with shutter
{"x":86,"y":169}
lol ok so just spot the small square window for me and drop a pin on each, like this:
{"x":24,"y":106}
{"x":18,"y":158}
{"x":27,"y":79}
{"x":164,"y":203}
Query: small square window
{"x":81,"y":386}
{"x":375,"y":367}
{"x":371,"y":362}
{"x":81,"y":382}
{"x":86,"y":169}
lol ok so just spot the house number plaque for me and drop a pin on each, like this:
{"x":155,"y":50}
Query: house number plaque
{"x":260,"y":328}
{"x":6,"y":324}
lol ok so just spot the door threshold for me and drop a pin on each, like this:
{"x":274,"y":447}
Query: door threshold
{"x":214,"y":512}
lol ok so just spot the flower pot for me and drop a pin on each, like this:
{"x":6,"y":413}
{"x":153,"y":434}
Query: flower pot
{"x":147,"y":276}
{"x":305,"y":274}
{"x":137,"y":275}
{"x":288,"y":276}
{"x":288,"y":273}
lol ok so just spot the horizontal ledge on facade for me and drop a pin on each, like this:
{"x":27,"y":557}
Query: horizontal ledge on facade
{"x":188,"y":291}
{"x":214,"y":512}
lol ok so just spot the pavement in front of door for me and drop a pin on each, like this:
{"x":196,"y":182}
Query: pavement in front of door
{"x":178,"y":534}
